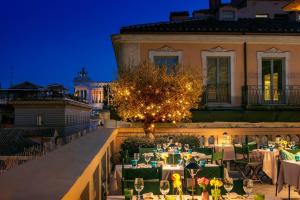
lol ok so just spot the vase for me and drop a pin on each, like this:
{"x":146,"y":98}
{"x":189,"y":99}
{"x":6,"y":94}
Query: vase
{"x":205,"y":195}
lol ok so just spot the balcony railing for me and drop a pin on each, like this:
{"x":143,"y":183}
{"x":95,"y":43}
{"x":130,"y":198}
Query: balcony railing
{"x":218,"y":94}
{"x":262,"y":95}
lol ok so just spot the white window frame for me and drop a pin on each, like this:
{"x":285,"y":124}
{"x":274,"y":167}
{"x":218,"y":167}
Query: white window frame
{"x":272,"y":53}
{"x":166,"y":51}
{"x":220,"y":52}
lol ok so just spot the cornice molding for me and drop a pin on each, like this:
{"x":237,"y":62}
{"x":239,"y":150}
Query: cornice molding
{"x":220,"y":39}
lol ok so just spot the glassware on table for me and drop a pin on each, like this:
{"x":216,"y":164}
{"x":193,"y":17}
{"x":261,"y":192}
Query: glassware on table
{"x":136,"y":157}
{"x":186,"y":147}
{"x":158,"y":147}
{"x":179,"y":146}
{"x":147,"y":157}
{"x":292,"y":144}
{"x":164,"y":187}
{"x":248,"y":186}
{"x":165,"y":146}
{"x":139,"y":186}
{"x":228,"y":185}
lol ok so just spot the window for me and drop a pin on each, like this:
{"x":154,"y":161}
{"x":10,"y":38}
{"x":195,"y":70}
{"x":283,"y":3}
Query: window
{"x":228,"y":15}
{"x":169,"y":62}
{"x":39,"y":120}
{"x":262,"y":16}
{"x":272,"y":79}
{"x":218,"y":80}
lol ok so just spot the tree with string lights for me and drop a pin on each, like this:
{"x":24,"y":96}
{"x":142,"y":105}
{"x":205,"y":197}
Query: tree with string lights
{"x":148,"y":93}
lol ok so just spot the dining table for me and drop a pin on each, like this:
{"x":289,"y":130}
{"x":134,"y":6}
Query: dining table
{"x":167,"y":171}
{"x":232,"y":196}
{"x":289,"y":174}
{"x":269,"y":162}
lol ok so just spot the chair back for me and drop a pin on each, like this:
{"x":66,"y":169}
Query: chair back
{"x":218,"y":157}
{"x":151,"y":177}
{"x":205,"y":150}
{"x":242,"y":153}
{"x":213,"y":171}
{"x":173,"y":159}
{"x":252,"y":146}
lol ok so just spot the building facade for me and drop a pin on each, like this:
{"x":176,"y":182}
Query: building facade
{"x":248,"y":51}
{"x":96,"y":94}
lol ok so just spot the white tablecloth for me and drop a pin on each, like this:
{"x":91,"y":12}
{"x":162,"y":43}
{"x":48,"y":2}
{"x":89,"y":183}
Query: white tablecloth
{"x":228,"y":151}
{"x":289,"y":174}
{"x":269,"y":162}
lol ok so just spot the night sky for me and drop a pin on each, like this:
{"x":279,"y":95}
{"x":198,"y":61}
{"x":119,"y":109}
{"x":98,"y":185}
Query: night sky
{"x":48,"y":41}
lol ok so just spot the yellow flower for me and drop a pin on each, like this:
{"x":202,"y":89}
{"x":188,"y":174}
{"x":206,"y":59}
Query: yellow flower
{"x":213,"y":182}
{"x":219,"y":183}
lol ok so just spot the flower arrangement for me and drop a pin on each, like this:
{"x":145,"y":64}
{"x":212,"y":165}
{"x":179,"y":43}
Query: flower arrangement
{"x":216,"y":192}
{"x":282,"y":144}
{"x":177,"y":183}
{"x":203,"y":183}
{"x":164,"y":156}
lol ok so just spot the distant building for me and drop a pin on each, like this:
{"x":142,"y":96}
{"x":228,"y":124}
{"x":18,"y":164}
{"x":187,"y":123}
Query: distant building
{"x":97,"y":94}
{"x":43,"y":114}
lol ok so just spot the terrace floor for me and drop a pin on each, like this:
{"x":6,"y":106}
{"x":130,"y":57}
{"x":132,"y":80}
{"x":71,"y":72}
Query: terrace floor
{"x":269,"y":190}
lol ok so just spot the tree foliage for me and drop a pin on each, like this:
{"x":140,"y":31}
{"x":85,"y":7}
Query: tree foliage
{"x":150,"y":93}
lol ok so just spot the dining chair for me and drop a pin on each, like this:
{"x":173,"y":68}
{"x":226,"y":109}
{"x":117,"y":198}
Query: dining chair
{"x":218,"y":157}
{"x":210,"y":172}
{"x":151,"y":177}
{"x":243,"y":162}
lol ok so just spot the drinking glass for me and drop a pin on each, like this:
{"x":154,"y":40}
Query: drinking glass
{"x":136,"y":156}
{"x":158,"y":147}
{"x":138,"y":185}
{"x":248,"y":186}
{"x":293,"y":143}
{"x":164,"y":187}
{"x":165,"y":146}
{"x":147,"y":157}
{"x":186,"y":147}
{"x":228,"y":185}
{"x":179,"y":146}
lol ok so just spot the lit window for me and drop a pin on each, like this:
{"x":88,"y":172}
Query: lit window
{"x":169,"y":62}
{"x":39,"y":120}
{"x":262,"y":15}
{"x":228,"y":15}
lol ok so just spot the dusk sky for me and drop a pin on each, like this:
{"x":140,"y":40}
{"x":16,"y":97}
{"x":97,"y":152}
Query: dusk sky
{"x":48,"y":41}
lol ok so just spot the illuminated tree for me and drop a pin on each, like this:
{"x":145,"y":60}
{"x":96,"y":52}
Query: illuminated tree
{"x":148,"y":93}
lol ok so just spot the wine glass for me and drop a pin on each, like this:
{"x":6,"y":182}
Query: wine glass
{"x":248,"y":186}
{"x":138,"y":185}
{"x":147,"y":157}
{"x":165,"y":146}
{"x":228,"y":185}
{"x":164,"y":187}
{"x":179,"y":146}
{"x":136,"y":157}
{"x":158,"y":147}
{"x":186,"y":147}
{"x":293,"y":143}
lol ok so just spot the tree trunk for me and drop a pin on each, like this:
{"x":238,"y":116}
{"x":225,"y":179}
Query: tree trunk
{"x":149,"y":130}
